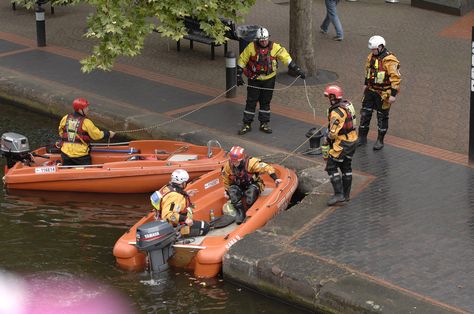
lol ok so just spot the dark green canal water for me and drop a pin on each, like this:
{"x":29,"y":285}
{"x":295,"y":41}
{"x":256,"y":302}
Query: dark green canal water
{"x":58,"y":248}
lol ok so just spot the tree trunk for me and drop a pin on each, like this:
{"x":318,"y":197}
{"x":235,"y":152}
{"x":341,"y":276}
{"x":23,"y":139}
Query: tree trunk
{"x":301,"y":35}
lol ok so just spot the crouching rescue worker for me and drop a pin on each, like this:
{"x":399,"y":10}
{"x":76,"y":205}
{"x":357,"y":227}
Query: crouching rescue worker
{"x":241,"y":176}
{"x":259,"y":62}
{"x":339,"y":143}
{"x":381,"y":86}
{"x":76,"y":132}
{"x":173,"y":204}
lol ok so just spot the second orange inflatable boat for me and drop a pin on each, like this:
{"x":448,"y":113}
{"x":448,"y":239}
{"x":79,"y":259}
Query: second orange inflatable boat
{"x":203,"y":255}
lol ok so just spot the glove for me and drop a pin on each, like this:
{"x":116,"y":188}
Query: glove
{"x":293,"y":67}
{"x":300,"y":73}
{"x":324,"y":132}
{"x":240,"y":79}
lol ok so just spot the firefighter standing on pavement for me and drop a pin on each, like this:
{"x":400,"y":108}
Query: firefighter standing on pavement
{"x":241,"y":177}
{"x":381,"y":86}
{"x":339,"y":143}
{"x":76,"y":132}
{"x":173,"y":204}
{"x":259,"y":62}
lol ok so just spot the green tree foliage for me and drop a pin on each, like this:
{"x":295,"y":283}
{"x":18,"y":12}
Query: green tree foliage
{"x":119,"y":27}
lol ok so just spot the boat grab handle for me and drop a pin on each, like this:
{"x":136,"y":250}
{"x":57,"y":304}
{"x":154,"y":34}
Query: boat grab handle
{"x":209,"y":143}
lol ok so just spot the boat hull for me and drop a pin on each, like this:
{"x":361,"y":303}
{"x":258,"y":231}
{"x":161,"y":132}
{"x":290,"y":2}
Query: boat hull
{"x":203,"y":255}
{"x":114,"y":170}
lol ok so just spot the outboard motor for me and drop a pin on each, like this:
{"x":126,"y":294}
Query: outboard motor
{"x":15,"y":147}
{"x":157,"y":239}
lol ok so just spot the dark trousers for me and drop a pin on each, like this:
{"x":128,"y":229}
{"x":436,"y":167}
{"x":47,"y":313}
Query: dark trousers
{"x":250,"y":195}
{"x":68,"y":161}
{"x":373,"y":101}
{"x":263,"y":96}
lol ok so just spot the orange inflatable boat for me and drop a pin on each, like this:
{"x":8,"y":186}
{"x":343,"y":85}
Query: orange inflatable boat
{"x":134,"y":167}
{"x":203,"y":255}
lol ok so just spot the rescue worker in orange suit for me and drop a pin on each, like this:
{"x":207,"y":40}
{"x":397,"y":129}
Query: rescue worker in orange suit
{"x":76,"y":132}
{"x":173,"y":204}
{"x":259,"y":62}
{"x":339,"y":143}
{"x":241,"y":177}
{"x":381,"y":86}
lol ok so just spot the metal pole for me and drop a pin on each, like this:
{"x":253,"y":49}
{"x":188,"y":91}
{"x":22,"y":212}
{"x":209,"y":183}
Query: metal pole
{"x":230,"y":75}
{"x":40,"y":26}
{"x":471,"y":114}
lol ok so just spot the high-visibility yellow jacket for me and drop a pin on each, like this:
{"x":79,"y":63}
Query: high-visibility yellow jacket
{"x":339,"y":131}
{"x":382,"y":73}
{"x":249,"y":58}
{"x":75,"y":147}
{"x":175,"y":208}
{"x":249,"y":173}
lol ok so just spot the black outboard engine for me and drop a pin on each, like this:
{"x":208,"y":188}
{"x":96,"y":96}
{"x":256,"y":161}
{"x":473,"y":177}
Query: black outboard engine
{"x":157,"y":239}
{"x":15,"y":147}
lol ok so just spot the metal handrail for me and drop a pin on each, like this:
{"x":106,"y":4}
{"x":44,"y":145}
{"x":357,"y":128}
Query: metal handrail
{"x":209,"y":143}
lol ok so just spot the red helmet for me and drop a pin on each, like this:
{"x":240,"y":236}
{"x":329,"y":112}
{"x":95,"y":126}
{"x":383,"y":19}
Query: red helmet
{"x":334,"y":90}
{"x":236,"y":153}
{"x":79,"y":104}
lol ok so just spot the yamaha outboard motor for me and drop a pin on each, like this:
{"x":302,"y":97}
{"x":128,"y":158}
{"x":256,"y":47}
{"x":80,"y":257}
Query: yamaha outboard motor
{"x":157,"y":239}
{"x":15,"y":147}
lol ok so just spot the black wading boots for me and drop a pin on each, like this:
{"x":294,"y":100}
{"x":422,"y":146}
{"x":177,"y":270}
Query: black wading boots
{"x":245,"y":129}
{"x":264,"y":127}
{"x":362,"y":140}
{"x":240,"y":213}
{"x":338,"y":196}
{"x":379,"y":143}
{"x":346,"y":186}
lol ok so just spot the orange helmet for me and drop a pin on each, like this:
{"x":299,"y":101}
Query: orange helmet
{"x":79,"y":104}
{"x":334,"y":90}
{"x":236,"y":153}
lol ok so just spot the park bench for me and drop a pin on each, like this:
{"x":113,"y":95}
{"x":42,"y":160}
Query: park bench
{"x":41,"y":2}
{"x":195,"y":33}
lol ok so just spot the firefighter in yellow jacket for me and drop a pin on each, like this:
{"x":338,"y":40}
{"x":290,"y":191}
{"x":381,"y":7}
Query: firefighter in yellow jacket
{"x":76,"y":132}
{"x":259,"y":62}
{"x":381,"y":86}
{"x":173,"y":204}
{"x":241,"y":176}
{"x":340,"y":143}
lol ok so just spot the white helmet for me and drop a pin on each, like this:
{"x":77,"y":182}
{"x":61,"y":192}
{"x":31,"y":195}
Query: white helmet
{"x":376,"y":41}
{"x":179,"y":176}
{"x":262,"y":34}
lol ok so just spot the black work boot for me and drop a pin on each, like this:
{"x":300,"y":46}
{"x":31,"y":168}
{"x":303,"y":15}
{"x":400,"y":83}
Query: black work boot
{"x":264,"y":127}
{"x":245,"y":129}
{"x":362,"y":140}
{"x":379,"y":143}
{"x":337,"y":186}
{"x":240,"y":213}
{"x":346,"y":186}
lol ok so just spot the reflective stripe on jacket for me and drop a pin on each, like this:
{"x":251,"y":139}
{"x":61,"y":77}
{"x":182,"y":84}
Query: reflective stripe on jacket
{"x":382,"y":72}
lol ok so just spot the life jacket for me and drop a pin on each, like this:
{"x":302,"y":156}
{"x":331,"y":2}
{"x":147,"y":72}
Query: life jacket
{"x":157,"y":197}
{"x":377,"y":77}
{"x":262,"y":62}
{"x":240,"y":176}
{"x":73,"y":132}
{"x":350,"y":122}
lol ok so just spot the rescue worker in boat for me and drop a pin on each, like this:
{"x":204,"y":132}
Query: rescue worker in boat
{"x":381,"y":86}
{"x":76,"y":132}
{"x":339,"y":143}
{"x":173,"y":204}
{"x":241,"y":177}
{"x":259,"y":61}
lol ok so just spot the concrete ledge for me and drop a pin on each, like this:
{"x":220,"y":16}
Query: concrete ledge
{"x":453,"y":7}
